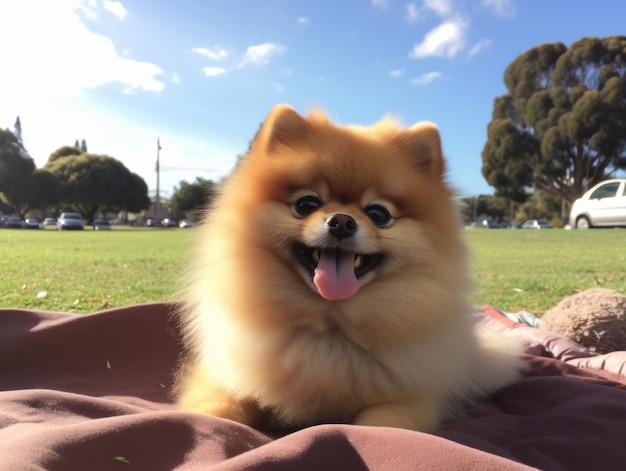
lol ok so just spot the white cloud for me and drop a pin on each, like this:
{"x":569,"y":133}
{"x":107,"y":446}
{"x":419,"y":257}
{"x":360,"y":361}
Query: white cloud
{"x":425,"y":79}
{"x":380,"y":4}
{"x":479,"y":47}
{"x":135,"y":75}
{"x":302,"y":20}
{"x":89,"y":10}
{"x":213,"y":71}
{"x":446,"y":40}
{"x":175,"y":77}
{"x":216,"y":53}
{"x":67,"y":41}
{"x":261,"y":54}
{"x":503,"y":8}
{"x":116,"y":8}
{"x":396,"y":73}
{"x":412,"y":13}
{"x":440,"y":7}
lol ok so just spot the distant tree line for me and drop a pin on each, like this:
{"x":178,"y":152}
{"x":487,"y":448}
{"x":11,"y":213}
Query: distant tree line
{"x":538,"y":205}
{"x":71,"y":178}
{"x":191,"y":199}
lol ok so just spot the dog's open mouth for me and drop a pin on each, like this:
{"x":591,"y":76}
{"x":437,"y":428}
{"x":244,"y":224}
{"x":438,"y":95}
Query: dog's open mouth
{"x":335,"y":272}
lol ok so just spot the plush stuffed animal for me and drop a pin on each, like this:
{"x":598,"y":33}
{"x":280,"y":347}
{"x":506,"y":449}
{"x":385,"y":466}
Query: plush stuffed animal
{"x":595,"y":318}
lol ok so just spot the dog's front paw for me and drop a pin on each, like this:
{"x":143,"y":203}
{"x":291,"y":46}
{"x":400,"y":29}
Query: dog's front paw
{"x":197,"y":393}
{"x":421,"y":415}
{"x":216,"y":403}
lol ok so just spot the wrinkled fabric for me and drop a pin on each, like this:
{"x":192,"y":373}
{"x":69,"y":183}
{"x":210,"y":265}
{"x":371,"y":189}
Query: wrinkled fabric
{"x":93,"y":392}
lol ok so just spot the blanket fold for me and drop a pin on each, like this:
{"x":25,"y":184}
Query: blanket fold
{"x":93,"y":392}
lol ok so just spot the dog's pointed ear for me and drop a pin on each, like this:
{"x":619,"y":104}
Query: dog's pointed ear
{"x":283,"y":126}
{"x":422,"y":142}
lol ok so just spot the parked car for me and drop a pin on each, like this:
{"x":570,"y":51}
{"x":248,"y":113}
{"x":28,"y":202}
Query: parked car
{"x":49,"y":222}
{"x":167,"y":222}
{"x":604,"y":205}
{"x":101,"y":225}
{"x":536,"y":224}
{"x":70,"y":220}
{"x":13,"y":222}
{"x":185,"y":223}
{"x":31,"y":223}
{"x":491,"y":224}
{"x":486,"y":224}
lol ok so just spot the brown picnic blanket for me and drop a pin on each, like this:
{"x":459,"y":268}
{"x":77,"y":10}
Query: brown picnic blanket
{"x":90,"y":392}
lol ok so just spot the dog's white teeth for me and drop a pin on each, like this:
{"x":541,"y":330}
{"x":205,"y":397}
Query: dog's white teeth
{"x":358,"y":261}
{"x":316,"y":255}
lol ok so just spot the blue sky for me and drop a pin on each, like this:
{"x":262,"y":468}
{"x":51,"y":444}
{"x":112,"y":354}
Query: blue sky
{"x":202,"y":75}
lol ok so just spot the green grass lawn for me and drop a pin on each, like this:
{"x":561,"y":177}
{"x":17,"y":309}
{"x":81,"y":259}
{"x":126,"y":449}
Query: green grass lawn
{"x":86,"y":271}
{"x":534,"y":269}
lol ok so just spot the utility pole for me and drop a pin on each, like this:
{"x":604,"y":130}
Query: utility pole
{"x":157,"y":202}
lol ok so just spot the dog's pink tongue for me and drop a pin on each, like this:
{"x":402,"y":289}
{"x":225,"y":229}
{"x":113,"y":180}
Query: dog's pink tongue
{"x":334,"y":275}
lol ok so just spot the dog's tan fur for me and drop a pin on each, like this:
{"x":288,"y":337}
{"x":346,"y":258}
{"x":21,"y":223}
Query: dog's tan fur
{"x":263,"y":342}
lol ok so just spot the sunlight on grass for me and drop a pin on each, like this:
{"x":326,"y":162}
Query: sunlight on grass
{"x":87,"y":271}
{"x":534,"y":269}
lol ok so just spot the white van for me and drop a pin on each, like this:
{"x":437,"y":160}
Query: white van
{"x":603,"y":205}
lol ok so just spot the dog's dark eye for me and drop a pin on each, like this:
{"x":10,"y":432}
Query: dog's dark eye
{"x":307,"y":204}
{"x":378,"y":214}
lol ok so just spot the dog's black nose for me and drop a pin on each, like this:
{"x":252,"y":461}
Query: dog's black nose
{"x":341,"y":225}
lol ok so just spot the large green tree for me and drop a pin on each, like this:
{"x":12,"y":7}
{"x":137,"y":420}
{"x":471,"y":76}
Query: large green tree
{"x":65,"y":151}
{"x":136,"y":194}
{"x":16,"y":170}
{"x":190,"y":198}
{"x":91,"y":182}
{"x":38,"y":190}
{"x":561,"y":127}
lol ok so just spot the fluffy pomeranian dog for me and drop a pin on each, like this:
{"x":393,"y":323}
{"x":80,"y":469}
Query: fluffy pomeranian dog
{"x":330,"y":284}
